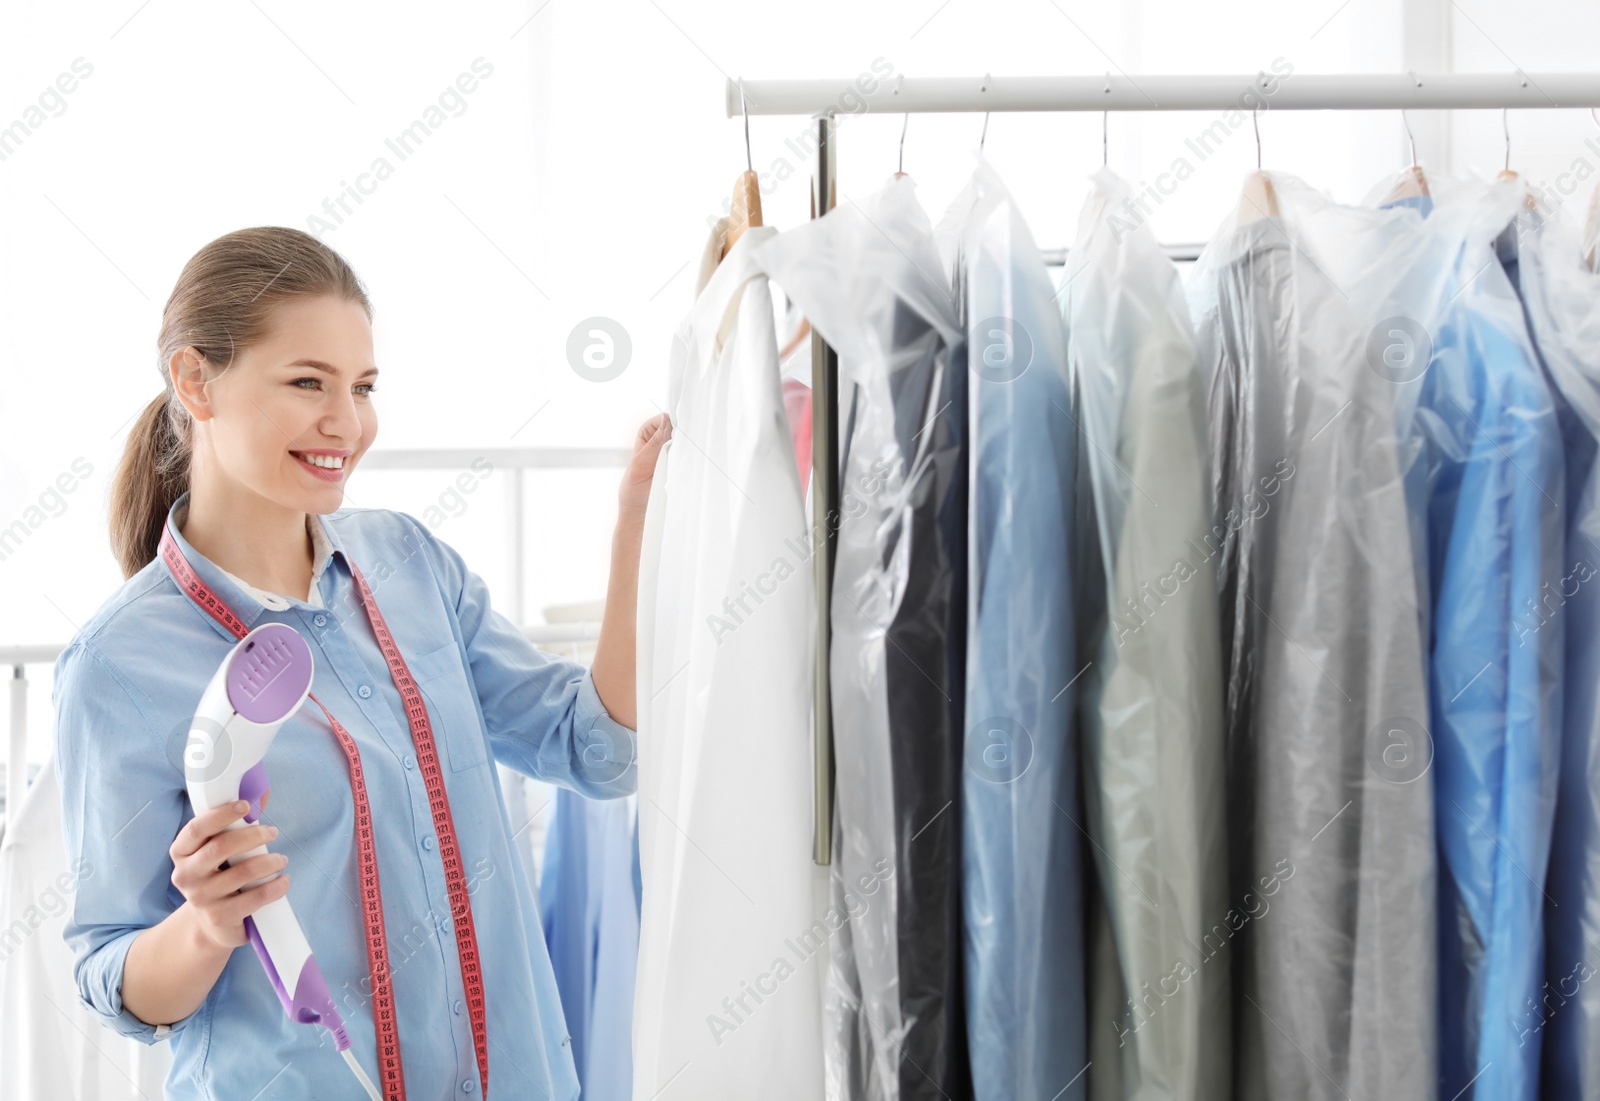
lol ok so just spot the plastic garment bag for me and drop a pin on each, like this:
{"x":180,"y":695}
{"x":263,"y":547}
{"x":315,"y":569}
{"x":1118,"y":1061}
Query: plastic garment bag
{"x":1561,"y":300}
{"x":868,"y":277}
{"x":728,"y":993}
{"x":1021,"y":848}
{"x":52,"y":1044}
{"x":1490,"y":455}
{"x":591,"y":926}
{"x":1331,"y":913}
{"x":1152,"y":696}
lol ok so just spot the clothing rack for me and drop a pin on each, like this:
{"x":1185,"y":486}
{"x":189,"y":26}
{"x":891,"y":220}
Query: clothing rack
{"x":823,"y":101}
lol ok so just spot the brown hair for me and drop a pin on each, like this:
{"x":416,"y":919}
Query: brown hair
{"x":222,"y":303}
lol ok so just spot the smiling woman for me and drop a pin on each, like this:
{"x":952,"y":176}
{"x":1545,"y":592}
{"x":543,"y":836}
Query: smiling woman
{"x":228,"y":515}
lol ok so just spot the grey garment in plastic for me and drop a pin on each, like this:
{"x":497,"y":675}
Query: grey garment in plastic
{"x":1022,"y":860}
{"x":1332,"y":899}
{"x":868,"y":277}
{"x":1562,"y":299}
{"x":1152,"y":696}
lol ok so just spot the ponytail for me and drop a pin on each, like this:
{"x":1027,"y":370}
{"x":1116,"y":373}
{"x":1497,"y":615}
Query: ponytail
{"x":153,"y":473}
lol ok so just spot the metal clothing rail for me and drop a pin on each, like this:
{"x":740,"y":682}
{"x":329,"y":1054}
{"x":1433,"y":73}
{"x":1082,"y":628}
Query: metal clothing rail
{"x":825,"y":100}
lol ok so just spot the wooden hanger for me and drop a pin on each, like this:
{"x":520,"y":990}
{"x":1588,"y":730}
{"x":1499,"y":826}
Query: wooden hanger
{"x":1506,"y":173}
{"x":1258,"y":200}
{"x":1413,"y":182}
{"x":1505,"y":125}
{"x":746,"y":207}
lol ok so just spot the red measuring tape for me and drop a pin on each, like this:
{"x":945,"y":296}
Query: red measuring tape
{"x":383,"y":1015}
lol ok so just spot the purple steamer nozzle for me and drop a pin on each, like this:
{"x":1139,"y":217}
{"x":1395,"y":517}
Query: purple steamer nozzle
{"x":268,"y":678}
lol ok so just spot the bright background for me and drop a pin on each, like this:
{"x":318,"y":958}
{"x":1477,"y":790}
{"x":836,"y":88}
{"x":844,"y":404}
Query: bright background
{"x":578,"y":180}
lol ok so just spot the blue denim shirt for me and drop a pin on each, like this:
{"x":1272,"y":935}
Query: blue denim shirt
{"x":125,"y":692}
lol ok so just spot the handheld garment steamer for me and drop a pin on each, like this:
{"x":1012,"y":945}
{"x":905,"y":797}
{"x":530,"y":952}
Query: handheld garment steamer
{"x":263,"y":680}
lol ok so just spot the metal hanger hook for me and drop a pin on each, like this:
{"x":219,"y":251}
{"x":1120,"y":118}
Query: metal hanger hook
{"x":985,"y":134}
{"x":1505,"y":125}
{"x":1255,"y":120}
{"x":1105,"y":140}
{"x":1409,"y":136}
{"x":1594,"y":116}
{"x":745,"y":110}
{"x":903,"y":127}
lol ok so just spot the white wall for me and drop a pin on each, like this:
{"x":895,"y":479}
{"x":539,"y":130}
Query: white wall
{"x":577,"y":180}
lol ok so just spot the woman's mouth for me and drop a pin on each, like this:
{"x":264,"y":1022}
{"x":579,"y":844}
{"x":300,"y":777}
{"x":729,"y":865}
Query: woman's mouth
{"x":332,"y":469}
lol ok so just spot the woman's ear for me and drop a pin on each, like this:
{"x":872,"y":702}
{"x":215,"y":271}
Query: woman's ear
{"x":190,"y":372}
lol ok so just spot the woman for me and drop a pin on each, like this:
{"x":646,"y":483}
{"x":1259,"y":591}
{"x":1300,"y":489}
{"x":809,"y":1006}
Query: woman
{"x":226,"y":514}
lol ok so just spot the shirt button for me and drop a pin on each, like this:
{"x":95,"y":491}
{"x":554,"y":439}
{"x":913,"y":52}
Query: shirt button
{"x":320,"y":620}
{"x":427,"y":842}
{"x":411,"y":762}
{"x":364,"y":691}
{"x":456,"y":1005}
{"x":468,"y":1085}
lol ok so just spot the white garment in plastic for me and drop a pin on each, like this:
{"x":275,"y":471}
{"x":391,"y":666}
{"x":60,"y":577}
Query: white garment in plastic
{"x":51,"y":1044}
{"x":732,"y":945}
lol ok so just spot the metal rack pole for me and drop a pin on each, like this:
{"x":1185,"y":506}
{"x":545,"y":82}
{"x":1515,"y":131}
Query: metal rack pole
{"x":824,"y":510}
{"x":1276,"y":90}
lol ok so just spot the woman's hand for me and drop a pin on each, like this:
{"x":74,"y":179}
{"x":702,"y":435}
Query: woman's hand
{"x":647,"y":444}
{"x":213,"y":891}
{"x":615,"y":652}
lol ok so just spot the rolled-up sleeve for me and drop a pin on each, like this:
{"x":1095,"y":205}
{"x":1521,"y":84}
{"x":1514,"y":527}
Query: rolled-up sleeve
{"x":121,"y":806}
{"x":542,"y":713}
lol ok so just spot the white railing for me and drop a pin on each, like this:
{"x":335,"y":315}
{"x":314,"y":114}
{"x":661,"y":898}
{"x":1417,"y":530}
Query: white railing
{"x":513,"y":460}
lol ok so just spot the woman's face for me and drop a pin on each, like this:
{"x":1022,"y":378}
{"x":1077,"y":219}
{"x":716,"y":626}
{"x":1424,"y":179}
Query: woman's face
{"x":304,"y":389}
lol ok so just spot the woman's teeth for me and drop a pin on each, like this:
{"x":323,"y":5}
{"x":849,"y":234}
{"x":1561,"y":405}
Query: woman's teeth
{"x":330,"y":462}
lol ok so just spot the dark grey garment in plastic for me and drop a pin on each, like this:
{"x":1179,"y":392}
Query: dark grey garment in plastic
{"x":1159,"y":1022}
{"x":869,"y":279}
{"x":1332,"y":908}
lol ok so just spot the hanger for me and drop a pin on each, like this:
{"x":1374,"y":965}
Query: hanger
{"x":1506,"y":173}
{"x":1258,"y":200}
{"x":746,"y":209}
{"x":1591,"y":229}
{"x":1413,"y":182}
{"x":1505,"y":125}
{"x":901,"y":169}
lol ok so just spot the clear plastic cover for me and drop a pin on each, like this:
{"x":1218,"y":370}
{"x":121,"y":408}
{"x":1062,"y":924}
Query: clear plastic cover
{"x":869,"y":278}
{"x":728,"y":986}
{"x":1561,"y":298}
{"x":1021,"y":846}
{"x":1489,"y":478}
{"x":1152,"y":693}
{"x":1330,"y":913}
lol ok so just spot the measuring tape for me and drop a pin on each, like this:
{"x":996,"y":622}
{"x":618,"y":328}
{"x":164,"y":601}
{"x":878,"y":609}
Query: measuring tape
{"x":383,"y":1014}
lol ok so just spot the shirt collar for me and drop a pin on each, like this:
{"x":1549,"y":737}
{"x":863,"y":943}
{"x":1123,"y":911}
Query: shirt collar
{"x":247,"y":601}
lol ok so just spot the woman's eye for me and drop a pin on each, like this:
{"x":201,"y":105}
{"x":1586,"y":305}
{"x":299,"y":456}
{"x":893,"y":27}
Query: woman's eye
{"x":366,"y":389}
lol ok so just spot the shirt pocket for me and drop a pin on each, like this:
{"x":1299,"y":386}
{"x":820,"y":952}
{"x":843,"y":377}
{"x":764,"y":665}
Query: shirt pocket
{"x":457,"y":730}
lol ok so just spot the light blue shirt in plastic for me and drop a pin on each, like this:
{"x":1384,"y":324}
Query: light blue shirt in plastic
{"x":1494,"y":523}
{"x":125,"y":691}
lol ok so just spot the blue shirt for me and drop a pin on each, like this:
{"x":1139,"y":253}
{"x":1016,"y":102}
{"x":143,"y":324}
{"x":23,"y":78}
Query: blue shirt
{"x":1495,"y":479}
{"x":125,"y":692}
